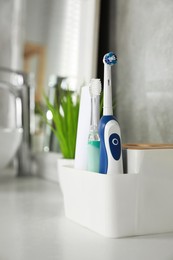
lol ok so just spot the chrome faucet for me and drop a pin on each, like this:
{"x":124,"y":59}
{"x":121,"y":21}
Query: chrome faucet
{"x":22,"y":86}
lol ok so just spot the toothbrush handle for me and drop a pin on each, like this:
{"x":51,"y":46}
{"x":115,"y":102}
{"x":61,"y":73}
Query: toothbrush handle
{"x":110,"y":146}
{"x":93,"y":155}
{"x":107,"y":107}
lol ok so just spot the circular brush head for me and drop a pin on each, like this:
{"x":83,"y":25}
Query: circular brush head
{"x":110,"y":58}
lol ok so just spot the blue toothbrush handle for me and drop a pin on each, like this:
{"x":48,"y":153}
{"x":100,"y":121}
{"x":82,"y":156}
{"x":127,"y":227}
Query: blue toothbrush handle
{"x":110,"y":146}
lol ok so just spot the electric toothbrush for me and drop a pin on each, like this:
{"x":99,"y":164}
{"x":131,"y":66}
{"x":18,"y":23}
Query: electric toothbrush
{"x":93,"y":138}
{"x":109,"y":129}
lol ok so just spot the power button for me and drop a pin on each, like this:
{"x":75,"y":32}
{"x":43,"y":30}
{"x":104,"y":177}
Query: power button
{"x":115,"y":141}
{"x":115,"y":146}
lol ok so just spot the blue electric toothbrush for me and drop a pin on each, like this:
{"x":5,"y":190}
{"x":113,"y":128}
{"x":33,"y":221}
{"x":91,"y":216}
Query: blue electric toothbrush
{"x":109,"y":130}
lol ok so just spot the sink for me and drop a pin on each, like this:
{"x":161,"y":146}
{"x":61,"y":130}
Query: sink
{"x":10,"y":140}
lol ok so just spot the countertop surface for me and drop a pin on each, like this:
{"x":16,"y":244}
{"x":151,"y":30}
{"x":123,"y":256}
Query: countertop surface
{"x":33,"y":226}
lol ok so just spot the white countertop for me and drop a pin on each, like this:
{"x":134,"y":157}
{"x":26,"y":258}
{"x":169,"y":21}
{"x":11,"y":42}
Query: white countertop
{"x":33,"y":227}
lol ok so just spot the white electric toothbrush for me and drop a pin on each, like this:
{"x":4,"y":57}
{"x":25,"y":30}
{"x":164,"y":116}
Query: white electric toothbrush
{"x":93,"y":138}
{"x":109,"y":130}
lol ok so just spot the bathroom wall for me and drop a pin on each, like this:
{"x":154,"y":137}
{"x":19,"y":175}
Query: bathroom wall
{"x":69,"y":30}
{"x":11,"y":53}
{"x":72,"y":38}
{"x":12,"y":33}
{"x":141,"y":34}
{"x":37,"y":21}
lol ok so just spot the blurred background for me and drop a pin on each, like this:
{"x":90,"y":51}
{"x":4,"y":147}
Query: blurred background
{"x":66,"y":39}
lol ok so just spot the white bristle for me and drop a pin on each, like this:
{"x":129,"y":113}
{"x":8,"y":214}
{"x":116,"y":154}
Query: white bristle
{"x":95,"y":87}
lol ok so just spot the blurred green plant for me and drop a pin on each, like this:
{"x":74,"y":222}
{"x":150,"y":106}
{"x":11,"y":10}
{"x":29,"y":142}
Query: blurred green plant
{"x":64,"y":112}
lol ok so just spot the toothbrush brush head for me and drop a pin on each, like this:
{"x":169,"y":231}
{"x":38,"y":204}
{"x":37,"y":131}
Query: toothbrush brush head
{"x":95,"y":87}
{"x":110,"y":59}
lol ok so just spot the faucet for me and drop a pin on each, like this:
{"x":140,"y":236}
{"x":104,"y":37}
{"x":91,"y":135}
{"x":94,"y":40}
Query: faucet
{"x":22,"y":86}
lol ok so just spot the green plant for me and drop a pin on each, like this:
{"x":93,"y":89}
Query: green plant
{"x":65,"y":118}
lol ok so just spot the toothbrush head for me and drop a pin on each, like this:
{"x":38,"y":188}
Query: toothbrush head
{"x":110,"y":58}
{"x":95,"y":87}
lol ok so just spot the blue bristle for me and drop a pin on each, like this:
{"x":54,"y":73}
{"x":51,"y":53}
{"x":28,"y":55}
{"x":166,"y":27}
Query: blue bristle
{"x":110,"y":58}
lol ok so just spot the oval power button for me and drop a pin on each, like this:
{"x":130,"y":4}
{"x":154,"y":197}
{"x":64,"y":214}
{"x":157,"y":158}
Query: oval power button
{"x":115,"y":146}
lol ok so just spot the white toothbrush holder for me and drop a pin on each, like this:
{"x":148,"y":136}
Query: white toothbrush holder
{"x":123,"y":205}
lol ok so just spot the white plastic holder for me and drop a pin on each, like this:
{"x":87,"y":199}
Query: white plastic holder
{"x":122,"y":205}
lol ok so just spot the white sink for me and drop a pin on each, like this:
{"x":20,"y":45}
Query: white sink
{"x":10,"y":140}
